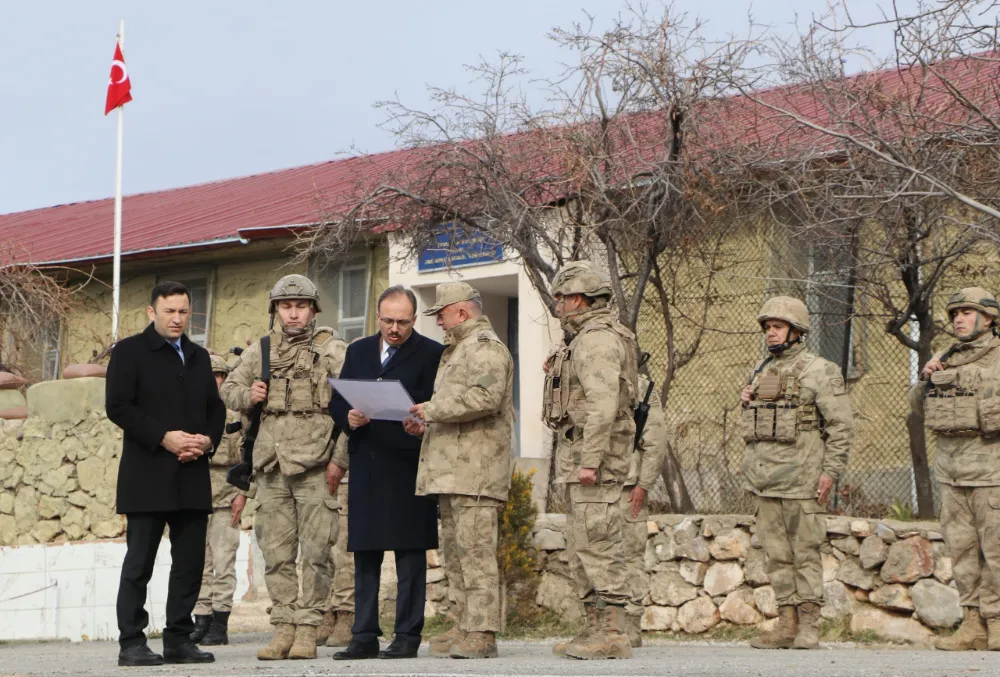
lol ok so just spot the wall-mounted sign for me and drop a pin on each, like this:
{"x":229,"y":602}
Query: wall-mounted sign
{"x":454,"y":248}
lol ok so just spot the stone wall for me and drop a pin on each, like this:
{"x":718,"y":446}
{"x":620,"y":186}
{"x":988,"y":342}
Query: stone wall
{"x":890,"y":577}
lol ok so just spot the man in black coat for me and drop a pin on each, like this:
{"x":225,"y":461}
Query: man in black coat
{"x":161,"y":392}
{"x":383,"y":511}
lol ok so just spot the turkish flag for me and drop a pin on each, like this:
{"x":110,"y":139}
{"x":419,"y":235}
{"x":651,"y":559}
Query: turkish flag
{"x":119,"y":85}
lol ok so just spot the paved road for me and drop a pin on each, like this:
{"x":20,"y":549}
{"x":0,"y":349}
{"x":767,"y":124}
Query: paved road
{"x":93,"y":659}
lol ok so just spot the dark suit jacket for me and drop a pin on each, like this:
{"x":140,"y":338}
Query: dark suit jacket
{"x":148,"y":393}
{"x":383,"y":512}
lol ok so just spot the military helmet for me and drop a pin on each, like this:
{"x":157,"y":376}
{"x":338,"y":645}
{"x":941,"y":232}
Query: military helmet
{"x":786,"y":309}
{"x":294,"y":287}
{"x":581,"y":277}
{"x":976,"y":298}
{"x":219,"y":365}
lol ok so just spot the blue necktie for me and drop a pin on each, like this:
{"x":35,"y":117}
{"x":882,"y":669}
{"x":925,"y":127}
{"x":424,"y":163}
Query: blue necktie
{"x":389,"y":352}
{"x":177,"y":347}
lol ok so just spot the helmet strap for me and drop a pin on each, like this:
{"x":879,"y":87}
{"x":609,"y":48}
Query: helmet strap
{"x":788,"y":343}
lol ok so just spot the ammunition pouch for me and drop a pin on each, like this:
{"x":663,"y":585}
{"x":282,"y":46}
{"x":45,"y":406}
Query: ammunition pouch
{"x":777,"y":421}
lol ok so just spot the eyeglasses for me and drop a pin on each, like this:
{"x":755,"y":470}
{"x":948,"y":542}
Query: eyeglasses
{"x":388,"y":322}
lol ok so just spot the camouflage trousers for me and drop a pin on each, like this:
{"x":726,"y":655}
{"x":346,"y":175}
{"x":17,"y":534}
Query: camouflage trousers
{"x":970,"y":520}
{"x":218,"y":580}
{"x":597,"y":533}
{"x":634,"y":535}
{"x":296,"y":514}
{"x":342,"y":588}
{"x":791,"y":532}
{"x":469,"y":533}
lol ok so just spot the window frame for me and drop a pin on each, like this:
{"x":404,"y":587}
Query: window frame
{"x":48,"y":350}
{"x":352,"y":322}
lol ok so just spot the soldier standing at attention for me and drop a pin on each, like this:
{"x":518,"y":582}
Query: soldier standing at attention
{"x":589,"y":400}
{"x":465,"y":460}
{"x":798,"y":426}
{"x":335,"y":630}
{"x":292,"y":462}
{"x":218,"y":581}
{"x":960,"y":398}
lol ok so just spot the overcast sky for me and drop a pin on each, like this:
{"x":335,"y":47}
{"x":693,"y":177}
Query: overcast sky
{"x":226,"y":88}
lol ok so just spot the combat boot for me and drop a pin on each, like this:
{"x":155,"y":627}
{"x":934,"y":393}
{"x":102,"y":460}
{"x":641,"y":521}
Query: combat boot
{"x":782,"y":636}
{"x":633,"y":629}
{"x":326,"y":627}
{"x":201,"y":624}
{"x":808,"y":634}
{"x":994,"y":634}
{"x":304,"y":646}
{"x":341,"y":635}
{"x":970,"y":636}
{"x":475,"y":645}
{"x":441,"y":644}
{"x":218,"y":634}
{"x":281,"y":642}
{"x":590,"y":625}
{"x":608,"y":639}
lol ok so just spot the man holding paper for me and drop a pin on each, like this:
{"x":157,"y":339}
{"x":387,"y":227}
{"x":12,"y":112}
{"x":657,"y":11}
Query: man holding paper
{"x":384,"y":513}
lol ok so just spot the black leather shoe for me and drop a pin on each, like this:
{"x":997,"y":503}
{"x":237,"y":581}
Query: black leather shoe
{"x":201,"y":625}
{"x":400,"y":648}
{"x":140,"y":655}
{"x":186,"y":653}
{"x":357,"y":651}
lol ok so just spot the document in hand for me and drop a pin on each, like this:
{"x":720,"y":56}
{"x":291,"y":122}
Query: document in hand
{"x":378,"y":400}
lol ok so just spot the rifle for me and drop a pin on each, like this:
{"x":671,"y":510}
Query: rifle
{"x":240,"y":474}
{"x":641,"y":414}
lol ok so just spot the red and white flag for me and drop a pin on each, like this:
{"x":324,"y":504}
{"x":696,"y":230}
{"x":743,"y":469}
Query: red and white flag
{"x":119,"y":85}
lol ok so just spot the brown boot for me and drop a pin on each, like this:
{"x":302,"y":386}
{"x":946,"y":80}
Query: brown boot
{"x":608,"y":640}
{"x":281,"y":642}
{"x":326,"y":627}
{"x":475,"y":645}
{"x":441,"y":644}
{"x":993,"y":625}
{"x":590,"y":624}
{"x":970,"y":636}
{"x":808,"y":634}
{"x":633,"y":629}
{"x":304,"y":646}
{"x":341,"y":635}
{"x":782,"y":636}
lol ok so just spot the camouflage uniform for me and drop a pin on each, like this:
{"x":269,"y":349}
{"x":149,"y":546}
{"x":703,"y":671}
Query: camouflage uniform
{"x":590,"y":395}
{"x":337,"y":622}
{"x":797,"y":427}
{"x":296,"y":511}
{"x":961,"y":406}
{"x":465,"y":458}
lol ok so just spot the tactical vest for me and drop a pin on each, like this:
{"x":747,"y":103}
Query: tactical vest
{"x":776,"y":414}
{"x":296,"y":386}
{"x":959,"y":404}
{"x":559,"y":382}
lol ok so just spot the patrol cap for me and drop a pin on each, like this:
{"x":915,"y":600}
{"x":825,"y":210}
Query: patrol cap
{"x":449,"y":293}
{"x":976,"y":298}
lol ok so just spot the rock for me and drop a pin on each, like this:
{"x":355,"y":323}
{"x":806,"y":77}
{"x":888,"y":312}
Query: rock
{"x":74,"y":532}
{"x":696,"y":549}
{"x":885,"y":533}
{"x":25,"y":509}
{"x":687,"y":530}
{"x":908,"y":561}
{"x":732,"y":544}
{"x":755,"y":568}
{"x":90,"y":474}
{"x":554,"y":521}
{"x":436,"y":591}
{"x":668,"y":522}
{"x":7,"y":503}
{"x":658,"y":618}
{"x":861,"y":528}
{"x":837,"y":601}
{"x":649,"y":558}
{"x":670,"y":589}
{"x":547,"y":539}
{"x":46,"y":530}
{"x":766,"y":601}
{"x":852,"y":573}
{"x":433,"y":558}
{"x":49,"y":506}
{"x":723,"y":577}
{"x":831,"y":567}
{"x":111,"y":528}
{"x":8,"y":530}
{"x":943,"y":570}
{"x":936,"y":604}
{"x":893,"y":597}
{"x":908,"y":529}
{"x":664,"y":547}
{"x":841,"y":526}
{"x":861,"y":595}
{"x":436,"y":575}
{"x":74,"y":517}
{"x":935,"y":536}
{"x":66,"y":401}
{"x":755,"y":541}
{"x":739,"y":608}
{"x":847,"y":545}
{"x":873,"y":552}
{"x":559,"y":595}
{"x":890,"y":626}
{"x":716,"y":525}
{"x":698,"y":615}
{"x":652,"y":528}
{"x":79,"y":499}
{"x":693,"y":572}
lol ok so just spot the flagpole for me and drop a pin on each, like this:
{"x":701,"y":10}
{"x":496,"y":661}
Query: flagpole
{"x":116,"y":282}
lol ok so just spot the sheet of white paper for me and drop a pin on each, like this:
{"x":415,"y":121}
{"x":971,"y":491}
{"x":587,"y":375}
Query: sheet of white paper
{"x":378,"y":400}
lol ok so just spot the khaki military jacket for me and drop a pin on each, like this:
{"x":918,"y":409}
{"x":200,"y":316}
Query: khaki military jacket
{"x":225,"y":457}
{"x":470,"y":417}
{"x":647,"y":459}
{"x":821,"y":440}
{"x":591,"y":409}
{"x":295,"y":428}
{"x":966,"y":458}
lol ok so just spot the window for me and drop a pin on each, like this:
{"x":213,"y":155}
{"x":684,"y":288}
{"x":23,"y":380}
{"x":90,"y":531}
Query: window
{"x":831,"y":307}
{"x":353,"y":307}
{"x":50,"y":352}
{"x":200,"y":286}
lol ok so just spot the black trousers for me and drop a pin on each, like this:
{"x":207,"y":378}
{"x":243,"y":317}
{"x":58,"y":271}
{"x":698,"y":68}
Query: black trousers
{"x":187,"y":553}
{"x":411,"y":573}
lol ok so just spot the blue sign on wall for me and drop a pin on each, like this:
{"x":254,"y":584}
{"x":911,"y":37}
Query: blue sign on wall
{"x":454,"y":248}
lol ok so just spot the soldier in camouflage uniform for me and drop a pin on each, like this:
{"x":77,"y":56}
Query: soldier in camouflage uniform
{"x":465,"y":459}
{"x":589,"y":399}
{"x":292,"y":462}
{"x":960,"y":398}
{"x":798,"y":426}
{"x":218,"y":582}
{"x":338,"y":619}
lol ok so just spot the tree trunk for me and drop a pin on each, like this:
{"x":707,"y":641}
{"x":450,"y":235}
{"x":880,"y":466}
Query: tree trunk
{"x":918,"y":443}
{"x":680,"y":499}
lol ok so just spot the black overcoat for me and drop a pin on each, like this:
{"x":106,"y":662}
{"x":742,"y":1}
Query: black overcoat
{"x":149,"y":392}
{"x":383,"y":511}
